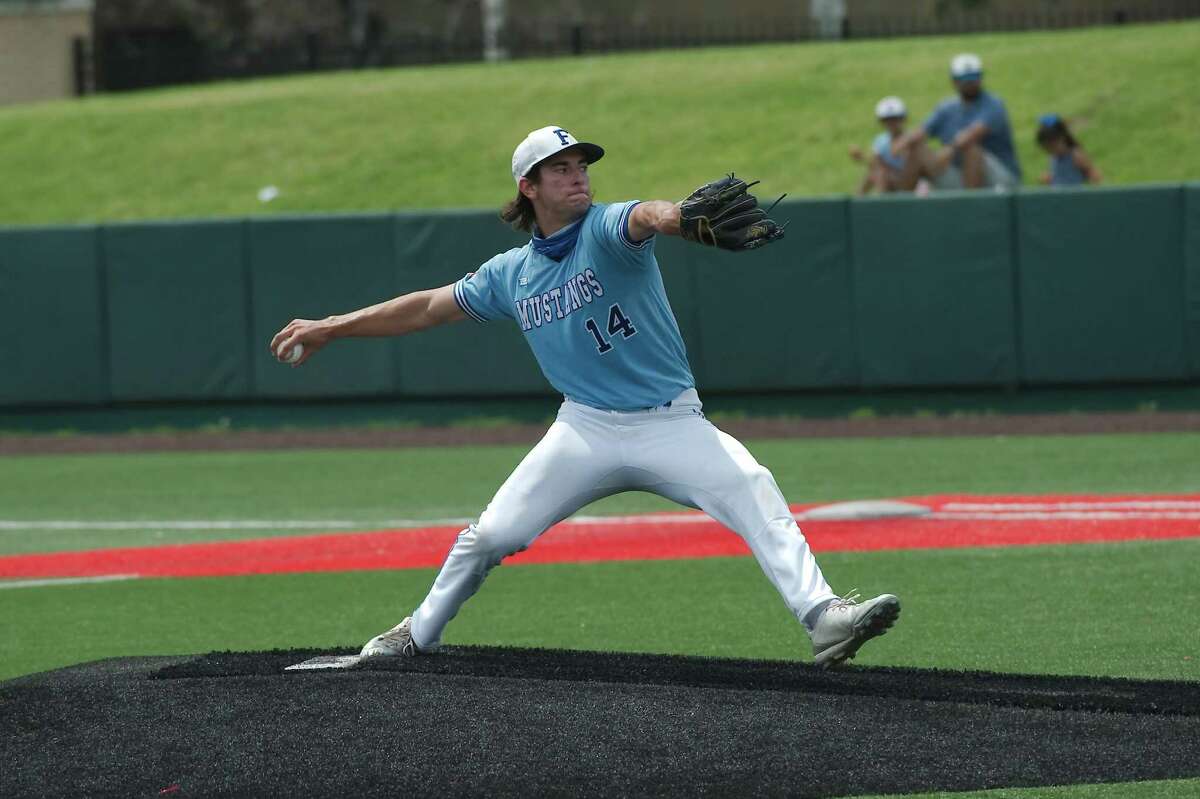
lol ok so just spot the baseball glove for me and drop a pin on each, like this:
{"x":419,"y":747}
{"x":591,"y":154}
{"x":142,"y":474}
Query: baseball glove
{"x":725,"y":214}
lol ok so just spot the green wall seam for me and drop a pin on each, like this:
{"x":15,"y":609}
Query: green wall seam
{"x":1182,"y":249}
{"x":1191,"y":276}
{"x":248,"y":307}
{"x":102,"y":296}
{"x":394,"y":359}
{"x":852,"y":291}
{"x":1014,"y":257}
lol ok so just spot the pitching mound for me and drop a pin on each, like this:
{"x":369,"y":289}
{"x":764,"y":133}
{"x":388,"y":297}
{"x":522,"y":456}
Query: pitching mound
{"x":480,"y":720}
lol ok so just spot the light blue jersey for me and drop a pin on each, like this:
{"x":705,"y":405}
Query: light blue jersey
{"x":598,"y":321}
{"x":882,"y":147}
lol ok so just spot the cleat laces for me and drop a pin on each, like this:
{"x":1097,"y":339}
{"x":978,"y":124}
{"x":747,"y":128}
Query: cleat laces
{"x":400,"y":639}
{"x":846,"y":602}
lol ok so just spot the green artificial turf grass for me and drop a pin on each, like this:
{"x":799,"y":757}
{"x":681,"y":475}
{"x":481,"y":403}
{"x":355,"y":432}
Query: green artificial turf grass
{"x":376,"y":488}
{"x":348,"y":141}
{"x":1155,"y":789}
{"x":1099,"y":609}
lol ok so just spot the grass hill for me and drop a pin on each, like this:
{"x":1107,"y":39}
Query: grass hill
{"x":442,"y":137}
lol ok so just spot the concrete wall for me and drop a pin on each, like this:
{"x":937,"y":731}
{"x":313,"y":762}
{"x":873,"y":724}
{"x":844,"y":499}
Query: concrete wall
{"x":36,"y":60}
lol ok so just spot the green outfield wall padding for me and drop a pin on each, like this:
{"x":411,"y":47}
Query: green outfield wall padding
{"x":310,"y":268}
{"x":466,"y":358}
{"x":680,"y":264}
{"x":780,"y":317}
{"x":1101,"y":284}
{"x":1032,"y":288}
{"x":178,"y":310}
{"x":52,"y":347}
{"x":933,"y":290}
{"x":1191,"y":204}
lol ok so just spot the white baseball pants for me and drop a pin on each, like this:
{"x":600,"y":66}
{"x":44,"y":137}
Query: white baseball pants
{"x":587,"y":454}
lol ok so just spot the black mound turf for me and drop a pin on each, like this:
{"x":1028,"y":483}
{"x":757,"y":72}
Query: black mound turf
{"x":474,"y":721}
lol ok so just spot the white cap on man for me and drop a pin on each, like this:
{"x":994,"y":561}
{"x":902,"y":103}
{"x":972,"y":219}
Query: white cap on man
{"x":545,"y":142}
{"x":890,"y":108}
{"x":966,"y":66}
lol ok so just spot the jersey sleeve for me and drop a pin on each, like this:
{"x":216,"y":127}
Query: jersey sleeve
{"x":935,"y":125}
{"x":611,"y":229}
{"x":481,"y":295}
{"x":882,"y":145}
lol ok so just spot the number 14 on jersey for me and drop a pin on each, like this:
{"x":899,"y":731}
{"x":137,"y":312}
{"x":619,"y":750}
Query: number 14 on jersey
{"x":617,"y":323}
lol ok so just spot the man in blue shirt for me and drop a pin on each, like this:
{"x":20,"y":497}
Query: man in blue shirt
{"x":973,"y":127}
{"x":587,"y":294}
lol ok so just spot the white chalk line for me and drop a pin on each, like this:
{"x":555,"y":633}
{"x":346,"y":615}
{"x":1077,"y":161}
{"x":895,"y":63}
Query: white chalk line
{"x":1116,"y":504}
{"x":1067,"y":515}
{"x":55,"y":581}
{"x":312,"y":524}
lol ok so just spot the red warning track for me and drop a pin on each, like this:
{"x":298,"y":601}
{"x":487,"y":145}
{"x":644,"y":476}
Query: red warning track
{"x":952,"y":521}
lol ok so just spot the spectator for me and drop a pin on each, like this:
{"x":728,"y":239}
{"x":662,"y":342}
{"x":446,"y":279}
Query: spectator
{"x":885,"y":171}
{"x":829,"y":18}
{"x":973,"y":128}
{"x":1069,"y":164}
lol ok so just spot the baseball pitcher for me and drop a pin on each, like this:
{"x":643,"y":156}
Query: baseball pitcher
{"x":588,"y":296}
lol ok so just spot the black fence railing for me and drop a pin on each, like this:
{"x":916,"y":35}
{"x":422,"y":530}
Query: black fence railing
{"x":140,"y":58}
{"x":1043,"y":19}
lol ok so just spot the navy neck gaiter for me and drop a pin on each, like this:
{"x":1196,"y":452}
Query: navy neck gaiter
{"x":559,"y":245}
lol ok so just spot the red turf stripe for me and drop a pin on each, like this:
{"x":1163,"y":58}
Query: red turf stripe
{"x":596,"y":541}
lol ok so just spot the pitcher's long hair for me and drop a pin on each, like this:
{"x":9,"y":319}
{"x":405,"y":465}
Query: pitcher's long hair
{"x":518,"y":212}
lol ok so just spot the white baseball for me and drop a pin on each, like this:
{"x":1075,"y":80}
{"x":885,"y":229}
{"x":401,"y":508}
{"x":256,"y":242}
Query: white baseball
{"x":295,"y":355}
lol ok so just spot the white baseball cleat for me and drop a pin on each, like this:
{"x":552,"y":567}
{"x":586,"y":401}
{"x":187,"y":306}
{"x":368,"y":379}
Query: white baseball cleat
{"x":396,"y":642}
{"x":846,"y":625}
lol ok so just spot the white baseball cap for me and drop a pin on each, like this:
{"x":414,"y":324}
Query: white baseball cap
{"x":545,"y":142}
{"x":966,"y":66}
{"x":889,"y":108}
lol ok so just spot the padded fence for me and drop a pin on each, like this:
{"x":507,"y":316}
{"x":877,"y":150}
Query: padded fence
{"x":53,"y":345}
{"x":934,"y":291}
{"x":176,"y":311}
{"x":1102,"y":291}
{"x":783,"y":321}
{"x":1037,"y":287}
{"x":467,"y":358}
{"x":310,"y":268}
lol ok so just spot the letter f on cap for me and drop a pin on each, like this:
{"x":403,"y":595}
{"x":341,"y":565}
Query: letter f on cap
{"x":545,"y":142}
